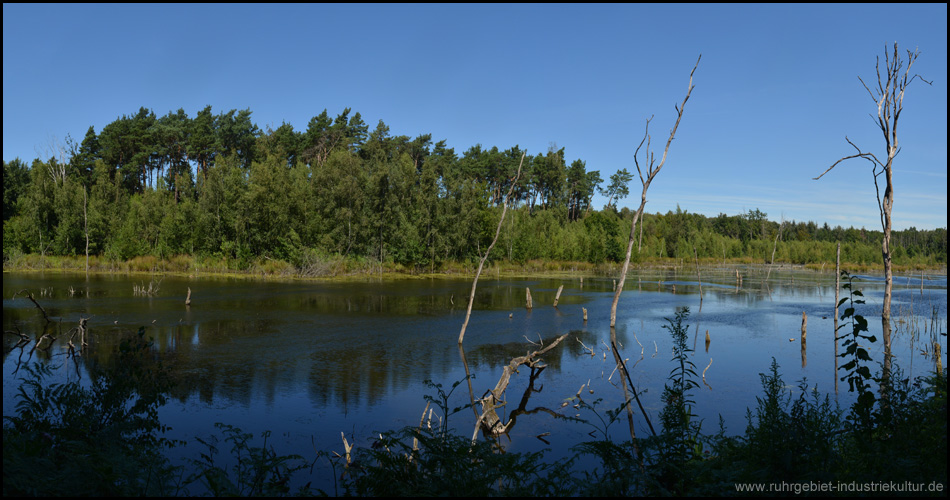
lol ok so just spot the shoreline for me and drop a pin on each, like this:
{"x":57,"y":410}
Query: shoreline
{"x":340,"y":270}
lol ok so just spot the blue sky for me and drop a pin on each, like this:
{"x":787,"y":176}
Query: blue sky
{"x":776,"y":92}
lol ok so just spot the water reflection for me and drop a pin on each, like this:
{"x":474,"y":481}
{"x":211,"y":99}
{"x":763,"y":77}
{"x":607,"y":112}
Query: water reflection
{"x":313,"y":359}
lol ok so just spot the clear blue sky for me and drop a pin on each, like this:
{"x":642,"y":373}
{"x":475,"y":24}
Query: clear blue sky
{"x":776,"y":92}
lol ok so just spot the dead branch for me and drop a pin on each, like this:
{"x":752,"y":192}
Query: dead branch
{"x":347,"y":447}
{"x":867,"y":156}
{"x":24,"y":338}
{"x":699,"y":277}
{"x":634,"y":389}
{"x":892,"y":81}
{"x":29,"y":295}
{"x":471,"y":297}
{"x":415,"y":441}
{"x":489,"y":420}
{"x":591,"y":349}
{"x":704,"y":373}
{"x":774,"y":247}
{"x":652,"y":170}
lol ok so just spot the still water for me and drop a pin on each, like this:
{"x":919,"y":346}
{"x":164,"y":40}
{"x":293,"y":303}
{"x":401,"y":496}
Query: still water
{"x":310,"y":360}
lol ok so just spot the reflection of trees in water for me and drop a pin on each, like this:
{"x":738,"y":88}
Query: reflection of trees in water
{"x":495,"y":356}
{"x":409,"y":302}
{"x":351,"y":374}
{"x":46,"y":333}
{"x":390,"y":339}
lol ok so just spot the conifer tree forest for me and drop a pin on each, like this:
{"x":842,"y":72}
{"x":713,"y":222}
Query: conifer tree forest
{"x":216,"y":186}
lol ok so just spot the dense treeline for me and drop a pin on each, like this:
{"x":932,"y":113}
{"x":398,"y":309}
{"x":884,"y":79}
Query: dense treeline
{"x":217,"y":186}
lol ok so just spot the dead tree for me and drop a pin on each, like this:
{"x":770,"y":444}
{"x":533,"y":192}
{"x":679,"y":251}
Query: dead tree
{"x":889,"y":98}
{"x":489,"y":420}
{"x":85,"y":225}
{"x":471,"y":297}
{"x":652,"y":169}
{"x":774,"y":247}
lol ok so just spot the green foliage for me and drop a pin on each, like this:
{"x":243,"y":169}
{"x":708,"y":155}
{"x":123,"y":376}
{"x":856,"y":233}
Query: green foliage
{"x":620,"y":472}
{"x":258,"y":471}
{"x":856,"y":372}
{"x":792,"y":438}
{"x":443,"y":403}
{"x":106,"y":440}
{"x":680,"y":430}
{"x":67,"y":440}
{"x":433,"y":462}
{"x":16,"y":178}
{"x":417,"y":462}
{"x":618,"y":188}
{"x":216,"y":186}
{"x":907,"y":440}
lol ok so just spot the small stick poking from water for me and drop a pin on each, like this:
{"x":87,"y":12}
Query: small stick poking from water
{"x":188,"y":298}
{"x":704,"y":373}
{"x":804,"y":325}
{"x":591,"y":349}
{"x":346,"y":447}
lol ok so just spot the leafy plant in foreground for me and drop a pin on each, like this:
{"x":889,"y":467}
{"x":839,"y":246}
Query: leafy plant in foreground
{"x":443,"y":402}
{"x":677,"y":415}
{"x":258,"y":471}
{"x":101,"y":440}
{"x":790,"y":438}
{"x":434,"y":462}
{"x":856,"y":373}
{"x":680,"y":441}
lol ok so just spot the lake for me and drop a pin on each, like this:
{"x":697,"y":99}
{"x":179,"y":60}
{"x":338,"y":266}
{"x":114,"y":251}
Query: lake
{"x":308,"y":360}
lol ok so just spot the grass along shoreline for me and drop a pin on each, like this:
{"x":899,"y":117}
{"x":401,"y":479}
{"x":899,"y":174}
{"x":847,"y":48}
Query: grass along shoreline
{"x":320,"y":266}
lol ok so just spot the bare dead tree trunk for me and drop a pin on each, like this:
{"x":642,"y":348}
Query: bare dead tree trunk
{"x":837,"y":288}
{"x":652,"y":170}
{"x":804,"y":337}
{"x":481,"y":264}
{"x":85,"y":226}
{"x":699,"y":278}
{"x":468,"y":378}
{"x":774,"y":246}
{"x":889,"y":98}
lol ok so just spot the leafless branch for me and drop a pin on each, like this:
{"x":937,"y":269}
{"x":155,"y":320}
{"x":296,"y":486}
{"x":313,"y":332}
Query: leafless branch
{"x":892,"y":81}
{"x":29,"y":295}
{"x":652,"y":169}
{"x":634,"y":389}
{"x":489,"y":419}
{"x":471,"y":297}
